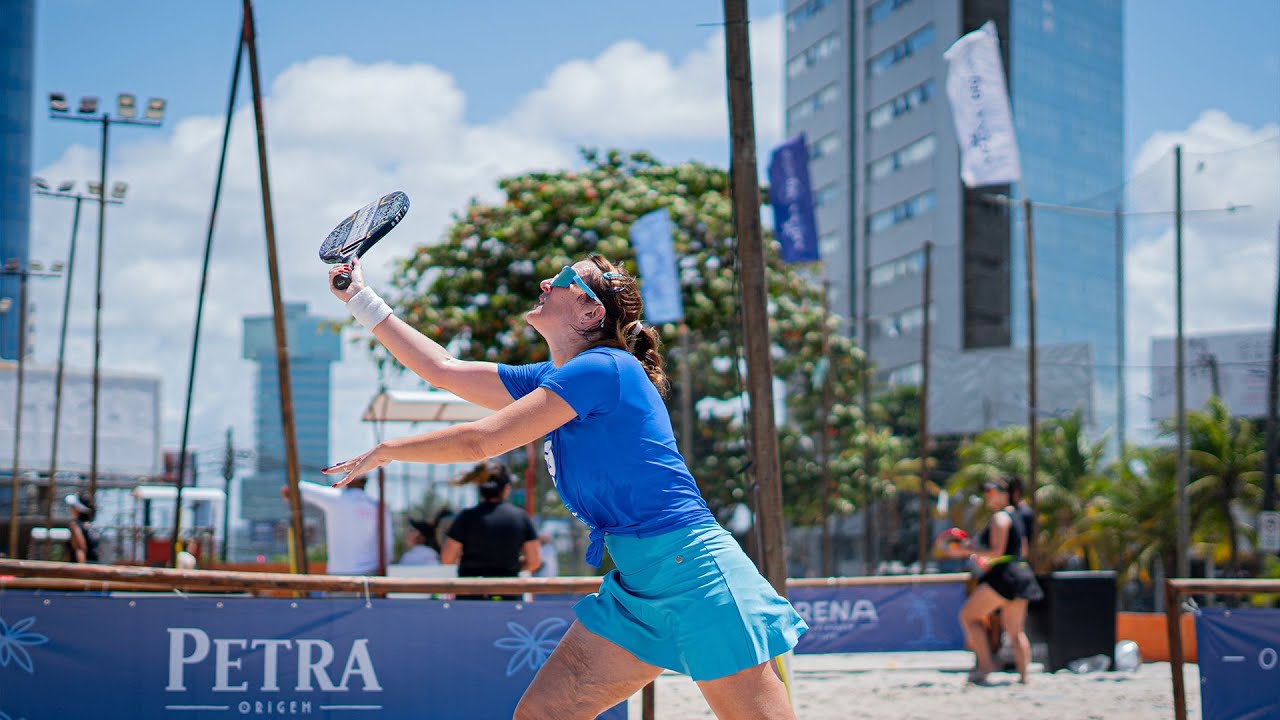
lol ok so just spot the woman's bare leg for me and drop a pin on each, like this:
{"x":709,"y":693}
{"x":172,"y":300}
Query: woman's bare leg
{"x":1014,"y":616}
{"x":981,"y":603}
{"x":585,"y":675}
{"x":757,"y":692}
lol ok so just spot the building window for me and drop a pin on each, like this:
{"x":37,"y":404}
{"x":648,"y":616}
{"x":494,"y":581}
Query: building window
{"x":887,"y":273}
{"x":882,"y":115}
{"x":883,"y":9}
{"x":912,"y":374}
{"x":806,"y":12}
{"x":906,"y":48}
{"x":903,"y":157}
{"x":901,"y":323}
{"x":825,"y":147}
{"x":828,"y":242}
{"x":813,"y":55}
{"x":900,"y":213}
{"x":809,"y":106}
{"x":825,"y":194}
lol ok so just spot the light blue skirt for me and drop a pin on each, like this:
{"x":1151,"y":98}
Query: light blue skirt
{"x":690,"y":601}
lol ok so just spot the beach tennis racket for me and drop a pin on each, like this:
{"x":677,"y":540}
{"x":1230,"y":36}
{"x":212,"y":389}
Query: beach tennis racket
{"x":360,"y":231}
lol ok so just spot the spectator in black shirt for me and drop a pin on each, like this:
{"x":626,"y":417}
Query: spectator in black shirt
{"x":494,"y":538}
{"x":83,"y":545}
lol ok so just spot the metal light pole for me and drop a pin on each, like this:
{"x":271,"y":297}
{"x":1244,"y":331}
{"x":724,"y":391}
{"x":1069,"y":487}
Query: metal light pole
{"x":14,"y":267}
{"x":126,"y":114}
{"x":64,"y":192}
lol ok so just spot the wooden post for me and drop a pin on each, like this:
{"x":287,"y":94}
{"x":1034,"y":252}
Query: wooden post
{"x":277,"y":305}
{"x":824,"y":440}
{"x":746,"y":215}
{"x":1173,"y":626}
{"x":1033,"y":420}
{"x":926,"y":511}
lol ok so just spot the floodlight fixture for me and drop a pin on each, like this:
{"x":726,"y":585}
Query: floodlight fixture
{"x":40,"y":183}
{"x":57,"y":266}
{"x":95,"y":188}
{"x":155,"y":109}
{"x":35,"y":266}
{"x":66,"y":186}
{"x":126,"y":106}
{"x":5,"y":304}
{"x":88,"y":105}
{"x":58,"y":102}
{"x":11,"y":265}
{"x":118,"y":189}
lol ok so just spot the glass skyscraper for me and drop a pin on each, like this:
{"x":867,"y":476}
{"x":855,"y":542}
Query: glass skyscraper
{"x":865,"y":83}
{"x":314,"y":345}
{"x":17,"y":48}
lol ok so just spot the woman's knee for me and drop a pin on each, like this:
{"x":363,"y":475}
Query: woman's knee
{"x":538,"y":706}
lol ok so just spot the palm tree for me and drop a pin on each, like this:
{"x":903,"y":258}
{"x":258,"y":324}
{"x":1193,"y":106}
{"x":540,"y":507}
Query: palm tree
{"x":1224,"y":460}
{"x":1069,"y":476}
{"x":1132,"y":523}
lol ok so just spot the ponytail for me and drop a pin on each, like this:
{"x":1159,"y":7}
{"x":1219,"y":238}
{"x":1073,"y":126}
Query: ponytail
{"x":622,"y":327}
{"x":646,"y":345}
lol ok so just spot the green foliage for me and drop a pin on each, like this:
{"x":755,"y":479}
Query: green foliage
{"x":1224,"y":463}
{"x":1133,"y":522}
{"x":472,"y":288}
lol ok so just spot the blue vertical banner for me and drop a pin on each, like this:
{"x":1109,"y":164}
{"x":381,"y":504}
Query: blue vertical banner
{"x":1239,"y":655}
{"x":791,"y":197}
{"x":656,"y":255}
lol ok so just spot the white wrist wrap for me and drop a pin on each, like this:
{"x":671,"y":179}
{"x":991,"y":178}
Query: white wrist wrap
{"x":368,"y":309}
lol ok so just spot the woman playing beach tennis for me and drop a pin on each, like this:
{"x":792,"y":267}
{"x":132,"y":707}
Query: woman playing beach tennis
{"x":1007,"y":583}
{"x":684,"y":595}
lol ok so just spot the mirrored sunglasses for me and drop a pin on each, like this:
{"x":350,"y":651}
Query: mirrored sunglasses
{"x":568,"y":276}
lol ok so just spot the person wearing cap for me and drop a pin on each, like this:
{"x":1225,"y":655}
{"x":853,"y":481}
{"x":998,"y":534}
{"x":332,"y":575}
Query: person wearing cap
{"x":82,"y":546}
{"x":350,"y":525}
{"x":422,"y":544}
{"x":684,"y":595}
{"x":1006,"y":582}
{"x":494,"y":538}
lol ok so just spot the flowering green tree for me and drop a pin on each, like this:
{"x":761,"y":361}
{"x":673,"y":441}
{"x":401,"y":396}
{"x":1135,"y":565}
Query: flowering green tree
{"x":473,"y":287}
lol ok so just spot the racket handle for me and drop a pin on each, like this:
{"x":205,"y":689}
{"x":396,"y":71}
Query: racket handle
{"x":342,"y":280}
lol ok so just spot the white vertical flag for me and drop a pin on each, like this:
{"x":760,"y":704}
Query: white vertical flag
{"x":980,"y":108}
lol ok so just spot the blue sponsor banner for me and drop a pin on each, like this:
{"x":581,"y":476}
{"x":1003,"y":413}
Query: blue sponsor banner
{"x":659,"y":277}
{"x":880,"y":618}
{"x":1239,"y":656}
{"x":791,"y":198}
{"x":64,"y":656}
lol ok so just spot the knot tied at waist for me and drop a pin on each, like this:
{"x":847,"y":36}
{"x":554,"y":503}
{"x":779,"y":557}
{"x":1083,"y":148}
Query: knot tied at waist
{"x":595,"y":550}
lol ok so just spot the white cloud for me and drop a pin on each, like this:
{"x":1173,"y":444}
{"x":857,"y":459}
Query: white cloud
{"x":1229,"y":259}
{"x":339,"y":133}
{"x":630,"y":92}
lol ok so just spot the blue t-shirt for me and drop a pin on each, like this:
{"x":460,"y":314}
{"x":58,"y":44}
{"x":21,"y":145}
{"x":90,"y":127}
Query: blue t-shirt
{"x":615,"y":465}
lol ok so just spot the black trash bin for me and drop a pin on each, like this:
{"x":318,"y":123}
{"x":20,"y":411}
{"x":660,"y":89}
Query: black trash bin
{"x":1076,"y":619}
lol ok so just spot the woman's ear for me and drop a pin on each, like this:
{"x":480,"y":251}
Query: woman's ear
{"x":593,"y":318}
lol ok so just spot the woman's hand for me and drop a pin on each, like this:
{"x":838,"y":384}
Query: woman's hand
{"x":357,"y":279}
{"x":357,"y":466}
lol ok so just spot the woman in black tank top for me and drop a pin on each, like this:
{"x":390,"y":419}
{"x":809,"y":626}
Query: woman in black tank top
{"x":1007,"y":583}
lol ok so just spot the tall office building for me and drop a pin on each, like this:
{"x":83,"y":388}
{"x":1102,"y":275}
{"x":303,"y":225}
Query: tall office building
{"x":314,"y":345}
{"x":865,"y":83}
{"x":17,"y":47}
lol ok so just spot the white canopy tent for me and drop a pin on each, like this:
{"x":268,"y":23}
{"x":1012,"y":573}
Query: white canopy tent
{"x":442,"y":407}
{"x":422,"y":406}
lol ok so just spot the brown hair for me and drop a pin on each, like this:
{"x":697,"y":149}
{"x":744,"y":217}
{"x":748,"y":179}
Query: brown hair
{"x":622,"y":326}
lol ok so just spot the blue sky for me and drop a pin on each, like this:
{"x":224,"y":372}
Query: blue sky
{"x":1183,"y":56}
{"x":441,"y":98}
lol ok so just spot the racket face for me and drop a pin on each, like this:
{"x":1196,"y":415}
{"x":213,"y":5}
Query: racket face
{"x":360,"y":230}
